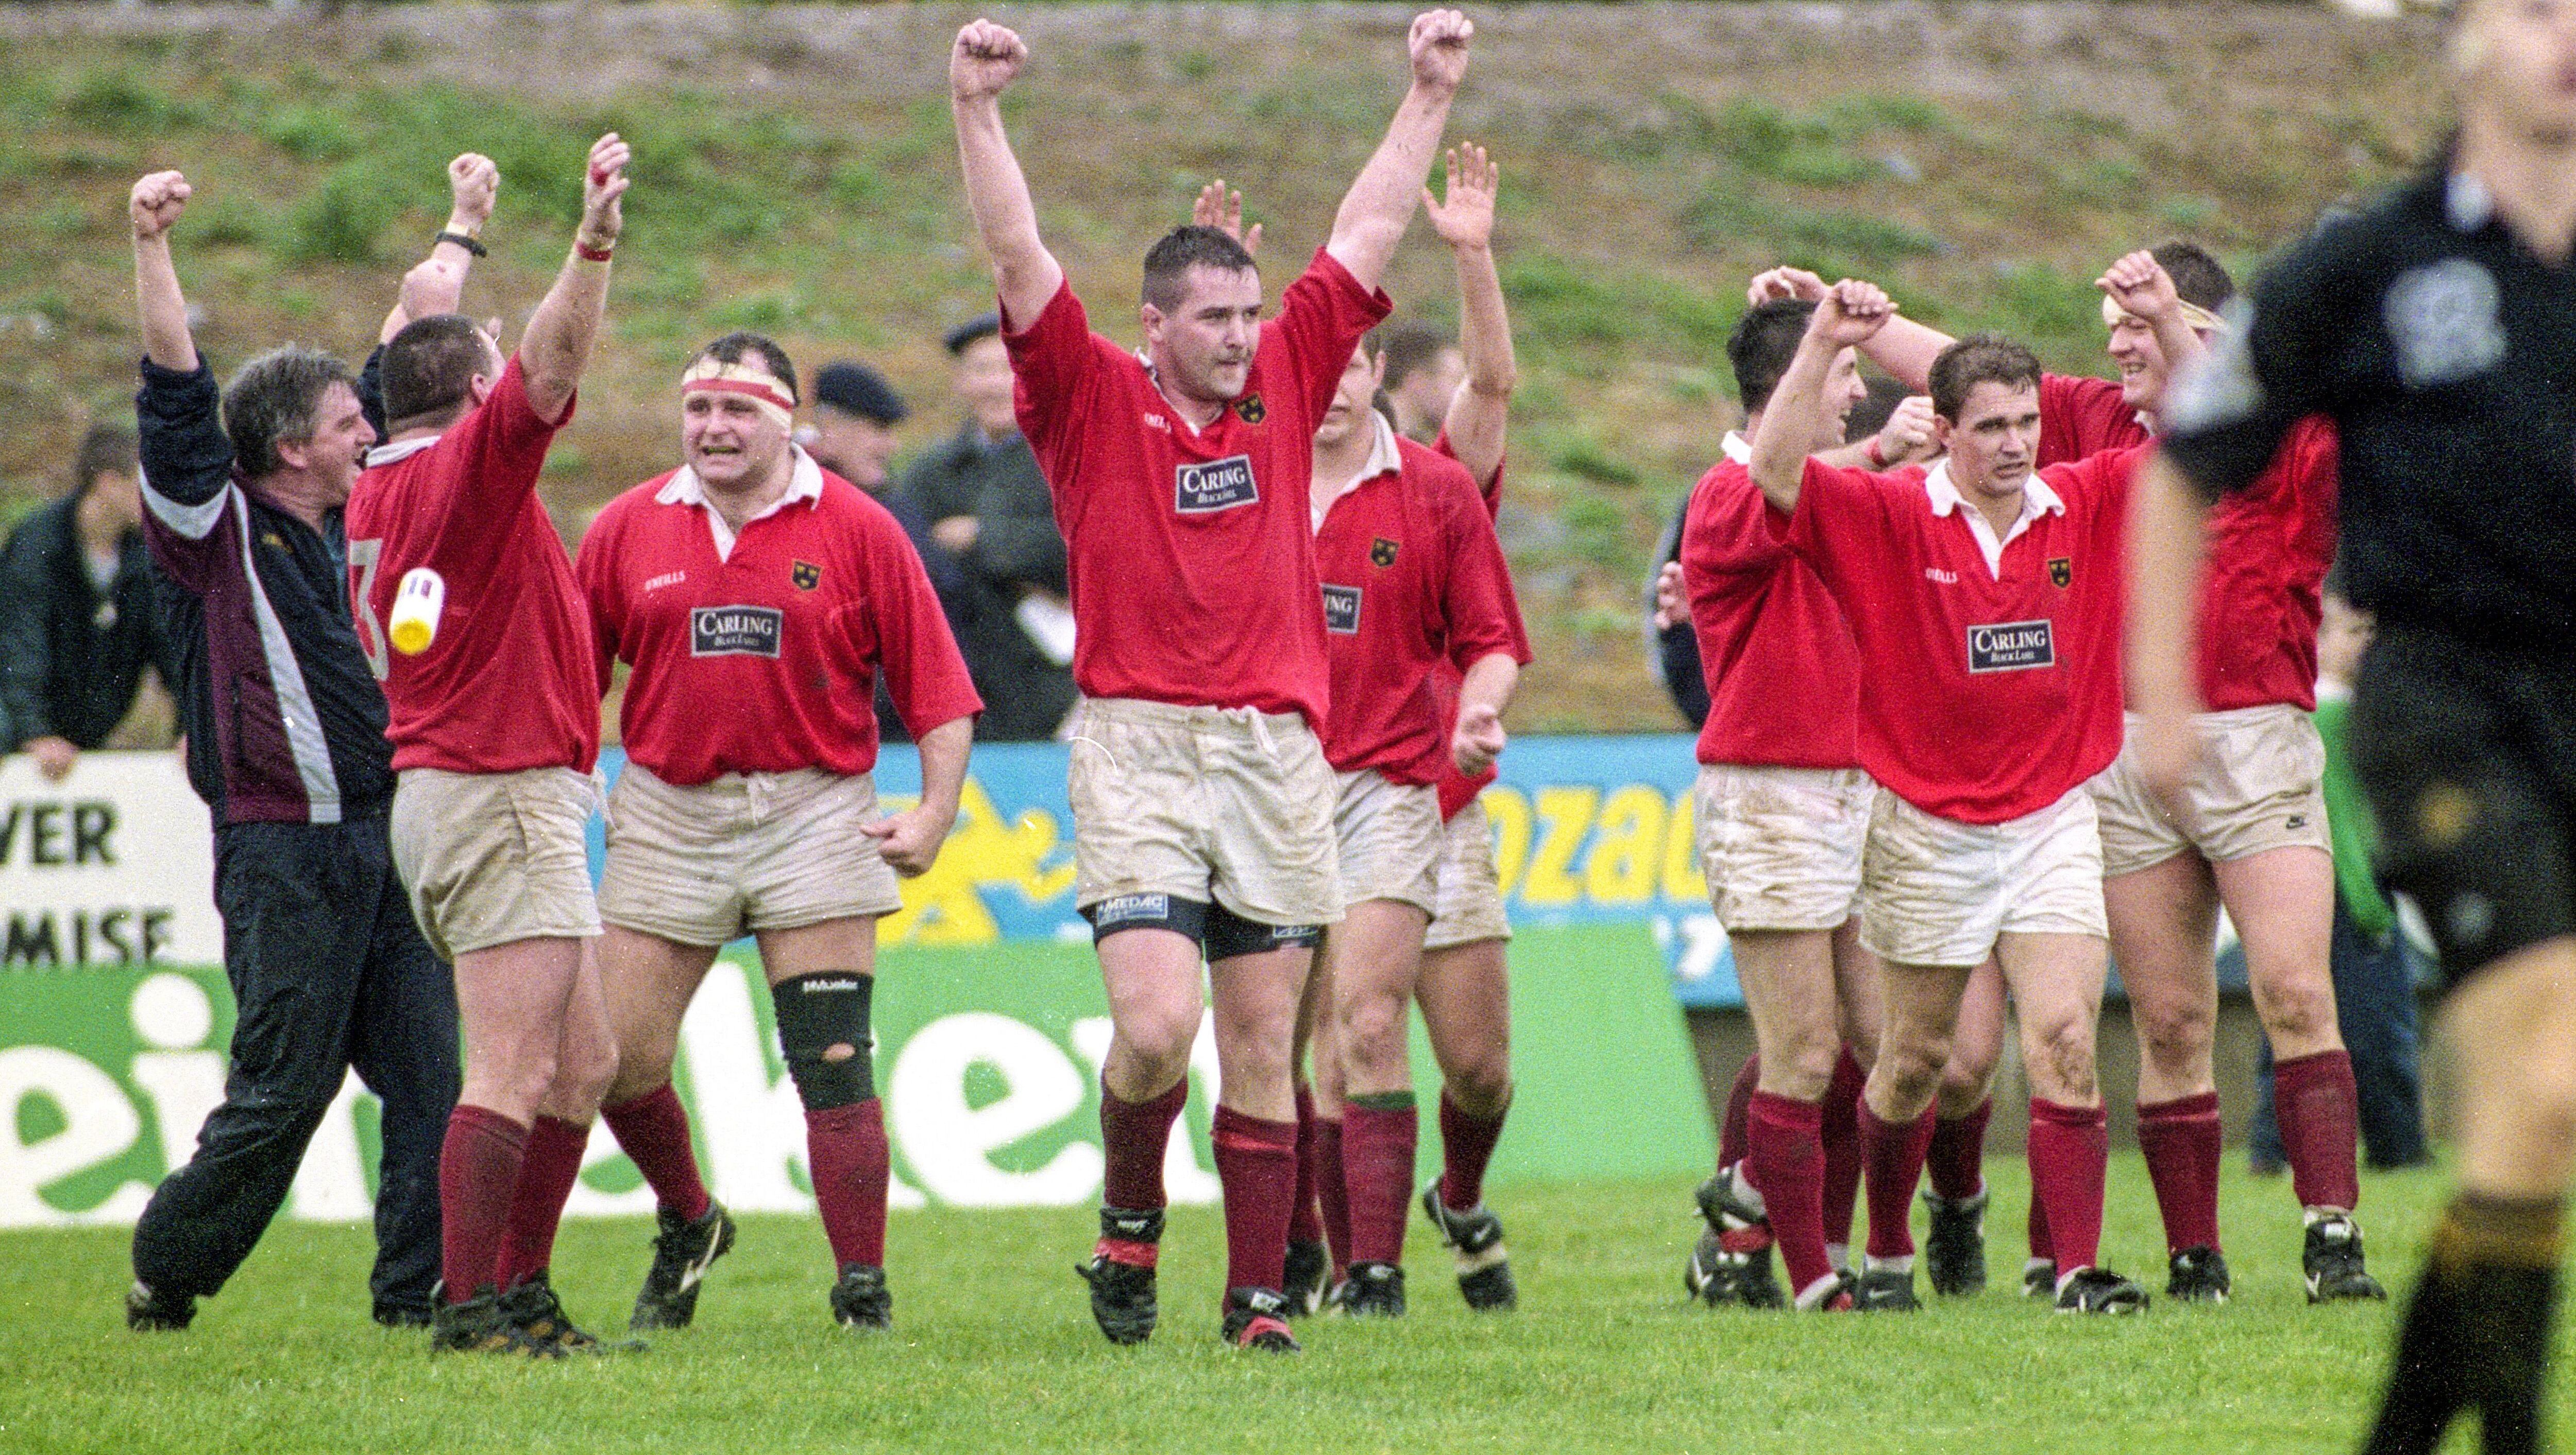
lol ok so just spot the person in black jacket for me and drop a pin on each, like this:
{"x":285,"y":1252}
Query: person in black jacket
{"x":990,"y":511}
{"x":78,"y":626}
{"x":286,"y":743}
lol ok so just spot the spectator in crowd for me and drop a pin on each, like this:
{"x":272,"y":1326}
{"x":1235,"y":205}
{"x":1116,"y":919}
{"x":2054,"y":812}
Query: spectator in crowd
{"x":990,"y":511}
{"x":852,"y":435}
{"x":2375,"y":966}
{"x":77,"y":622}
{"x":1423,"y":367}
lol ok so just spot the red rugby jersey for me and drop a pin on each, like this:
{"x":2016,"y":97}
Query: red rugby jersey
{"x":765,"y":659}
{"x":2080,"y":415}
{"x":1987,"y":693}
{"x":1783,"y":673}
{"x":1189,"y":552}
{"x":2261,"y":584}
{"x":1413,"y":582}
{"x":1457,"y":790}
{"x":508,"y":683}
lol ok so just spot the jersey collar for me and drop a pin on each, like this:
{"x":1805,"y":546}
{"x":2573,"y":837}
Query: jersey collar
{"x":1737,"y":449}
{"x":1384,"y":459}
{"x":2037,"y":499}
{"x":401,"y":450}
{"x":805,"y":482}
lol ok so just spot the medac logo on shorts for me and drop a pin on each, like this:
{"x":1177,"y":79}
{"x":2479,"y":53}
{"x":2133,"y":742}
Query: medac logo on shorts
{"x":2011,"y":646}
{"x":1119,"y":909}
{"x":1216,"y":485}
{"x":735,"y":631}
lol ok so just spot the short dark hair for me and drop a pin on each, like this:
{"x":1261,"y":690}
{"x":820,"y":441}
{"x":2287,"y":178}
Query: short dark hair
{"x":428,"y":370}
{"x":1409,"y":347}
{"x":278,"y":397}
{"x":1980,"y":358}
{"x":733,"y":346}
{"x":2198,"y":278}
{"x":106,"y":449}
{"x":1765,"y":340}
{"x":1184,"y":248}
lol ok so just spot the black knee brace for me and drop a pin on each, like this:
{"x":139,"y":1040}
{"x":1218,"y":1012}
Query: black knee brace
{"x":815,"y":1014}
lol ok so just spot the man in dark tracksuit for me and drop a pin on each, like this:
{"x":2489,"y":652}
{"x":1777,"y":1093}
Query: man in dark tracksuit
{"x":286,"y":743}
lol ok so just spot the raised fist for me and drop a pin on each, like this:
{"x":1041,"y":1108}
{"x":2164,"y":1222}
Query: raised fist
{"x":473,"y":181}
{"x":601,"y":186}
{"x":1466,"y":218}
{"x":1438,"y":46}
{"x":157,"y":202}
{"x":1222,"y":209}
{"x":1850,"y":312}
{"x":1907,"y":436}
{"x":985,"y":60}
{"x":1479,"y":739}
{"x":2140,"y":285}
{"x":1784,"y":282}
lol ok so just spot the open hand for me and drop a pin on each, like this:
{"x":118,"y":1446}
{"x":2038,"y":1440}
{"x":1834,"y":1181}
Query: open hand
{"x":1466,"y":218}
{"x":1222,"y":209}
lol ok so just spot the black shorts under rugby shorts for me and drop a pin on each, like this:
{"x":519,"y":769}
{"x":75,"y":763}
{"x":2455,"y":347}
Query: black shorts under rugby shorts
{"x":2468,"y":755}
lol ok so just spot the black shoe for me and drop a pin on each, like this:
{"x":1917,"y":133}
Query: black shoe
{"x":404,"y":1315}
{"x":150,"y":1310}
{"x":682,"y":1253}
{"x":1717,"y":1275}
{"x":1476,"y":1236}
{"x":1309,"y":1265}
{"x":1885,"y":1290}
{"x":2198,"y":1275}
{"x":2039,"y":1279}
{"x":1122,"y":1290}
{"x":1954,"y":1253}
{"x":1257,"y":1318}
{"x":2333,"y":1262}
{"x":1742,"y":1230}
{"x":860,"y":1299}
{"x":532,"y":1305}
{"x":2100,"y":1291}
{"x":480,"y":1325}
{"x":1372,"y":1291}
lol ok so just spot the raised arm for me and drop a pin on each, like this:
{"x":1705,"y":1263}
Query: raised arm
{"x":1481,"y":408}
{"x":1904,"y":348}
{"x":1374,"y":212}
{"x":1846,"y":316}
{"x":436,"y":284}
{"x":982,"y":64}
{"x":156,"y":203}
{"x":557,"y":344}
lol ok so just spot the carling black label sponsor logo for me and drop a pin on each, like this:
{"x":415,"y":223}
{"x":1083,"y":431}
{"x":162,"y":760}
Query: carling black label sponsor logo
{"x":735,"y":631}
{"x":1342,"y":610}
{"x":2011,"y":646}
{"x":1216,"y":485}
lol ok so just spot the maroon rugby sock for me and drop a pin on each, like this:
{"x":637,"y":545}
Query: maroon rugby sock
{"x":2037,"y":1224}
{"x":1333,"y":1192}
{"x":549,"y":1165}
{"x":478,"y":1175}
{"x":1786,"y":1162}
{"x":1739,"y":1102}
{"x":1892,"y":1158}
{"x":1956,"y":1160}
{"x":1256,"y":1161}
{"x":1305,"y":1224}
{"x":845,"y":1147}
{"x":1466,"y":1149}
{"x":1377,"y":1158}
{"x":2069,"y":1146}
{"x":653,"y":1131}
{"x":1840,"y":1133}
{"x":2320,"y":1115}
{"x":1134,"y":1135}
{"x":2181,"y":1141}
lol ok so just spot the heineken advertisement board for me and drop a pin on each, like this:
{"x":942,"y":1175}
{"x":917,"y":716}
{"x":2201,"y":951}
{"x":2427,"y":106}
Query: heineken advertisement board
{"x":990,"y":1020}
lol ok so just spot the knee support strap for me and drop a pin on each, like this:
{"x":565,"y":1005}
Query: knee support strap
{"x":817,"y":1013}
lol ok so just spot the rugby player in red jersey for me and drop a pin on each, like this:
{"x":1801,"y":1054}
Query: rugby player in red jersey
{"x":1202,"y":800}
{"x":1984,"y":599}
{"x":758,"y":598}
{"x":495,"y":727}
{"x":1412,"y":576}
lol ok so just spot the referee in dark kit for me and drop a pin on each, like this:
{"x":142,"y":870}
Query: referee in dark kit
{"x":2438,"y":328}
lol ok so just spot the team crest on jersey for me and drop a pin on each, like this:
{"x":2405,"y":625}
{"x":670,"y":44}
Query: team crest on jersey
{"x":1342,"y":609}
{"x":1250,"y":409}
{"x":2012,"y":646}
{"x":807,"y":575}
{"x":2061,"y":571}
{"x":1382,"y":553}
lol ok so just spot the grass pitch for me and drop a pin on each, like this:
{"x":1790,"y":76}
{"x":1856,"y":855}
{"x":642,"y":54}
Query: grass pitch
{"x":994,"y":1350}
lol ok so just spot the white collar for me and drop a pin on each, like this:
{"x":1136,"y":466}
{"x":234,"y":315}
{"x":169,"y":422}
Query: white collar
{"x":2037,"y":499}
{"x":805,"y":482}
{"x":1383,"y":458}
{"x":399,"y":450}
{"x":2466,"y":201}
{"x":1736,"y":447}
